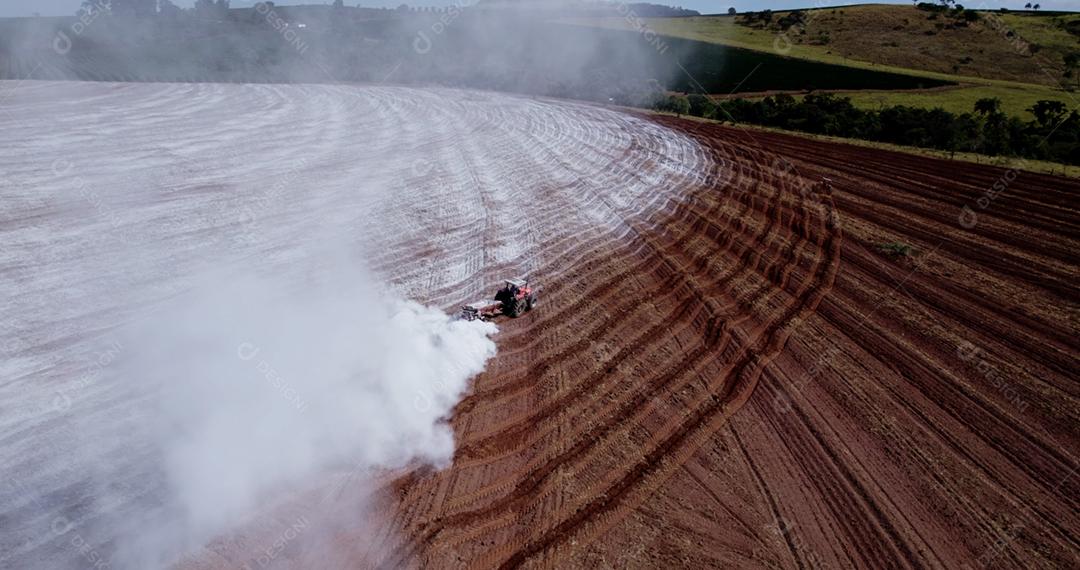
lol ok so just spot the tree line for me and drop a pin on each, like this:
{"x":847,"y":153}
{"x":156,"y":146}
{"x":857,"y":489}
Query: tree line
{"x":1054,"y":133}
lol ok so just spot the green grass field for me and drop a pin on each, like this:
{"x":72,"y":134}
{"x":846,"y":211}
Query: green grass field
{"x":901,"y":39}
{"x":1014,"y":100}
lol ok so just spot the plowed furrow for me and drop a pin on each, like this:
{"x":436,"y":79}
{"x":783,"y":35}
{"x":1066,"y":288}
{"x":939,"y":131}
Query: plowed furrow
{"x":662,"y":326}
{"x":649,"y":265}
{"x":736,"y":386}
{"x":1045,"y":464}
{"x":773,"y":216}
{"x":978,"y":317}
{"x":501,"y":441}
{"x":741,"y":364}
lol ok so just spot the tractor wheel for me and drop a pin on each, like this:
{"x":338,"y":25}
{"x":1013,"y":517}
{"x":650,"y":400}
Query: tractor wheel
{"x":516,"y":308}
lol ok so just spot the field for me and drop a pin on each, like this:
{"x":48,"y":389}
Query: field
{"x":901,"y":39}
{"x":444,"y":192}
{"x":781,"y":392}
{"x":729,"y":368}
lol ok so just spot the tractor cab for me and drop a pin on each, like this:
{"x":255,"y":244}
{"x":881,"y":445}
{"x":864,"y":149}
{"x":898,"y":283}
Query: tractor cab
{"x":517,"y":286}
{"x":516,"y":297}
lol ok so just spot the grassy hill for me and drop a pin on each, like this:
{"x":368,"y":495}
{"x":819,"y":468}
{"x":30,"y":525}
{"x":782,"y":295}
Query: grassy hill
{"x":1017,"y":57}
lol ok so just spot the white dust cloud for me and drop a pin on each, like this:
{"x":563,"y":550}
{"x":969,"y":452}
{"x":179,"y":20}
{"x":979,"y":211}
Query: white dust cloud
{"x":258,"y":384}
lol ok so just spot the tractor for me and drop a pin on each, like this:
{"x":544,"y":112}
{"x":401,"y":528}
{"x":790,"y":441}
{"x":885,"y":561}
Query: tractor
{"x":513,"y":299}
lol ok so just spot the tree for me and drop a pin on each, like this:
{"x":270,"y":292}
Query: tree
{"x":168,"y":10}
{"x":204,"y":8}
{"x":988,"y":106}
{"x":1053,"y":135}
{"x":88,"y":7}
{"x":680,"y":105}
{"x":1035,"y":7}
{"x":219,"y":10}
{"x":1072,"y":62}
{"x":1048,"y":113}
{"x":731,"y":11}
{"x":701,"y":105}
{"x":677,"y":104}
{"x":126,"y":8}
{"x":792,"y":18}
{"x":1027,"y":6}
{"x":995,"y":135}
{"x":339,"y":4}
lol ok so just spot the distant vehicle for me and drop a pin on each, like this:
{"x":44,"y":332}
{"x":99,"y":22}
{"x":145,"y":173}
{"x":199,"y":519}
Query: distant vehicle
{"x":516,"y":297}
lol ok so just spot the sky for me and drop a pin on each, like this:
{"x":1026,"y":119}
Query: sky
{"x":68,"y":7}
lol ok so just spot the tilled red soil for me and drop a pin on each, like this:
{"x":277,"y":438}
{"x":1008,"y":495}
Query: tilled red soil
{"x":746,"y":380}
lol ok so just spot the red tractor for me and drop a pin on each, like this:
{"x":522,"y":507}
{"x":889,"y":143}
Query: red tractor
{"x":515,"y":298}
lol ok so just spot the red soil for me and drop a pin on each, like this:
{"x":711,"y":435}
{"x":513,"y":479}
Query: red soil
{"x":747,"y":381}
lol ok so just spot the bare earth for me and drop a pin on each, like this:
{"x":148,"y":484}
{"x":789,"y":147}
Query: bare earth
{"x":747,"y":381}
